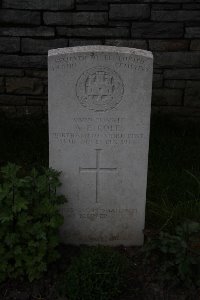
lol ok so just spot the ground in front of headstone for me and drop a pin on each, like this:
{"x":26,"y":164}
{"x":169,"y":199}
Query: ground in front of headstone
{"x":140,"y":285}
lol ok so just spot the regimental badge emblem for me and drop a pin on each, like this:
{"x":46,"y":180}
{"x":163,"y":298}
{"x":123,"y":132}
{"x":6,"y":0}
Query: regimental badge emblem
{"x":99,"y":89}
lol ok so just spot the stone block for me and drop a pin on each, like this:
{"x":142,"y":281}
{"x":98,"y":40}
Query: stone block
{"x":8,"y":16}
{"x":36,"y":73}
{"x":157,"y":71}
{"x":157,"y":80}
{"x":129,"y":11}
{"x":84,"y":42}
{"x":38,"y":101}
{"x":116,"y":23}
{"x":39,"y":4}
{"x":93,"y":32}
{"x":92,"y":6}
{"x":12,"y":100}
{"x":24,"y":85}
{"x":175,"y":15}
{"x":8,"y":112}
{"x":9,"y":44}
{"x":192,"y":94}
{"x":11,"y":72}
{"x":167,"y":97}
{"x":1,"y":84}
{"x":156,"y":30}
{"x":29,"y":111}
{"x":177,"y":59}
{"x":168,"y":45}
{"x":46,"y":90}
{"x":191,"y":6}
{"x":28,"y":31}
{"x":39,"y":46}
{"x":140,"y":44}
{"x":175,"y":84}
{"x":182,"y":74}
{"x":27,"y":61}
{"x":192,"y":32}
{"x":75,"y":18}
{"x":165,"y":6}
{"x":138,"y":1}
{"x":177,"y":112}
{"x":195,"y":45}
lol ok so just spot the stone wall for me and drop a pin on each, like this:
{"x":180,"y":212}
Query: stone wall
{"x":168,"y":28}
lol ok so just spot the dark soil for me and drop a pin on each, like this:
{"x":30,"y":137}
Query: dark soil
{"x":141,"y":282}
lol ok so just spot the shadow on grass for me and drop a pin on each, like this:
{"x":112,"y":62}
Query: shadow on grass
{"x":173,"y":193}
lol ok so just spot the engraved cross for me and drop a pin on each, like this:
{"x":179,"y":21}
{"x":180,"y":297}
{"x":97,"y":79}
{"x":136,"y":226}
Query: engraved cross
{"x":97,"y":170}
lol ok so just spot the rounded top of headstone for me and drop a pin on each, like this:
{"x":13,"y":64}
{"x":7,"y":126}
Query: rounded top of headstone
{"x":109,"y":49}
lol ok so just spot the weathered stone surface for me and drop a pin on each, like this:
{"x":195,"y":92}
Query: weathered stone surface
{"x":24,"y":85}
{"x":191,"y":6}
{"x":1,"y":84}
{"x":75,"y":18}
{"x":176,"y":15}
{"x":191,"y":23}
{"x":29,"y":111}
{"x":177,"y":111}
{"x":157,"y":80}
{"x":177,"y":59}
{"x":129,"y":11}
{"x":157,"y":71}
{"x":36,"y":73}
{"x":7,"y":111}
{"x":92,"y":6}
{"x":167,"y":96}
{"x":9,"y":44}
{"x":195,"y":45}
{"x":8,"y":16}
{"x":168,"y":45}
{"x":25,"y":31}
{"x":99,"y":110}
{"x":42,"y":46}
{"x":38,"y":101}
{"x":175,"y":84}
{"x":97,"y":1}
{"x":84,"y":42}
{"x":156,"y":30}
{"x":165,"y":6}
{"x":12,"y":100}
{"x":182,"y":74}
{"x":27,"y":61}
{"x":93,"y":31}
{"x":116,"y":23}
{"x":192,"y":32}
{"x":140,"y":44}
{"x":39,"y":4}
{"x":192,"y":94}
{"x":139,"y":1}
{"x":11,"y":72}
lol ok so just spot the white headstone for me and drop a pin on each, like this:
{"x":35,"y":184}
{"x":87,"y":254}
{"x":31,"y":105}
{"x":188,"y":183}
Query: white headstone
{"x":99,"y":117}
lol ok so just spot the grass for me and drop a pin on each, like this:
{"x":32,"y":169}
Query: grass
{"x":173,"y":193}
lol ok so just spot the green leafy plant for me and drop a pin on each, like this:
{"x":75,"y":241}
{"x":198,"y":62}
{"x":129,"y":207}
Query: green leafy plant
{"x":177,"y":255}
{"x":98,"y":273}
{"x":29,"y":221}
